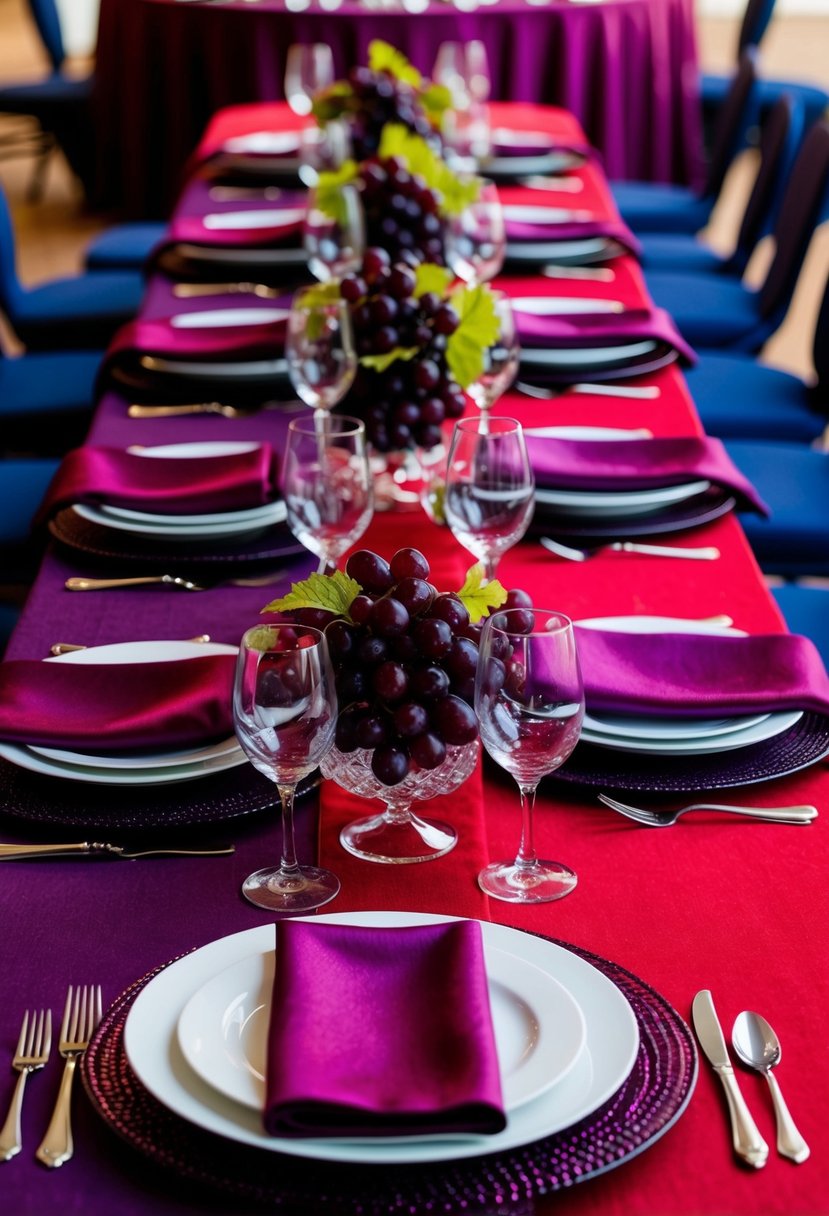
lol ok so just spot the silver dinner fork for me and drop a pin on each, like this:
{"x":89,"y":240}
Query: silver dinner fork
{"x":32,"y":1053}
{"x":80,"y":1017}
{"x":652,"y":818}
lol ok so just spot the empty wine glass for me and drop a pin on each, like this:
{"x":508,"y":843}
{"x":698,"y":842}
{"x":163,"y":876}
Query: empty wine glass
{"x":322,"y":149}
{"x":285,"y":714}
{"x":476,"y":239}
{"x":500,"y":359}
{"x":327,"y":485}
{"x":308,"y":69}
{"x":490,"y":489}
{"x":334,"y":243}
{"x":463,"y":69}
{"x":319,"y":347}
{"x":529,"y":699}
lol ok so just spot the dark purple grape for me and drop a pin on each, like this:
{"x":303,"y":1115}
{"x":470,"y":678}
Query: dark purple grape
{"x":462,"y":660}
{"x":455,"y":721}
{"x":473,"y":632}
{"x":491,"y":676}
{"x":374,"y":260}
{"x":518,"y":599}
{"x":352,"y":685}
{"x":390,"y":681}
{"x":429,"y":683}
{"x":415,"y":594}
{"x":401,"y":282}
{"x":372,"y":730}
{"x":409,"y":563}
{"x":427,"y":374}
{"x":352,"y":288}
{"x":453,"y":611}
{"x":341,"y":638}
{"x":370,"y":571}
{"x":345,"y":735}
{"x":389,"y":618}
{"x":446,"y":320}
{"x":372,"y":651}
{"x":410,"y":720}
{"x":403,"y":648}
{"x":389,"y":764}
{"x":360,"y":609}
{"x":433,"y":638}
{"x":427,"y":750}
{"x":317,"y":618}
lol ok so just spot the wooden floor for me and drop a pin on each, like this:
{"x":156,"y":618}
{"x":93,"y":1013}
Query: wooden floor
{"x":52,"y":233}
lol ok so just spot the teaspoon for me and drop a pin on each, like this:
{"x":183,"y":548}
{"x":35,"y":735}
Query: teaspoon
{"x":758,"y":1046}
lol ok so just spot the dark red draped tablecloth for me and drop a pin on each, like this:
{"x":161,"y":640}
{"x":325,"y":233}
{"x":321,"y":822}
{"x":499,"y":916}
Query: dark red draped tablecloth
{"x":731,"y":905}
{"x":626,"y":68}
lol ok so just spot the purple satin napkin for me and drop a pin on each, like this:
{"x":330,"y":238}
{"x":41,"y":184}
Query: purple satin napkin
{"x":192,"y":230}
{"x":637,"y":464}
{"x":161,"y":337}
{"x":174,"y":486}
{"x":381,"y":1032}
{"x":601,"y":329}
{"x":117,"y":707}
{"x":683,"y":675}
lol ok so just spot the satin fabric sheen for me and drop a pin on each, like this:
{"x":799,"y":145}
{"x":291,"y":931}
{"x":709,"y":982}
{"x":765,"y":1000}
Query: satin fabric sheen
{"x":602,"y":329}
{"x":174,"y":486}
{"x":117,"y":707}
{"x":161,"y":337}
{"x":395,"y":1031}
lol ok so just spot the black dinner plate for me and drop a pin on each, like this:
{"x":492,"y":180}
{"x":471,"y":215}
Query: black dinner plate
{"x":676,"y":517}
{"x":534,"y":372}
{"x":524,"y":256}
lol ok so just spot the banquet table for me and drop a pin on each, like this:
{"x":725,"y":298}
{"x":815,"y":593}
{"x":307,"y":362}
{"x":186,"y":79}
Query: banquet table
{"x":626,"y":68}
{"x":734,"y":906}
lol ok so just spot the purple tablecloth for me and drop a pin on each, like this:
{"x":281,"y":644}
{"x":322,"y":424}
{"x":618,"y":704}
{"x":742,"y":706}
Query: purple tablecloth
{"x":626,"y":68}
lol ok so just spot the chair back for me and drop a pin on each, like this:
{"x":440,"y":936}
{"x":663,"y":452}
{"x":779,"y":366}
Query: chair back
{"x":733,"y":120}
{"x":780,"y":139}
{"x":11,"y":293}
{"x":800,"y":213}
{"x":820,"y":353}
{"x":756,"y":17}
{"x":47,"y":20}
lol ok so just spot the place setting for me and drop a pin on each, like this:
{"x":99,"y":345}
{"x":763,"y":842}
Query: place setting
{"x":543,"y":226}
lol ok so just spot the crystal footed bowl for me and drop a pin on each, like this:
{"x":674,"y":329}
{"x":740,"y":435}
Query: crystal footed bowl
{"x":397,"y":836}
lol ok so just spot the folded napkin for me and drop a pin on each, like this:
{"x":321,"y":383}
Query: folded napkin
{"x":174,"y":486}
{"x":601,"y":329}
{"x":685,"y":675}
{"x":381,"y":1032}
{"x":637,"y":464}
{"x":232,"y":342}
{"x":117,"y":707}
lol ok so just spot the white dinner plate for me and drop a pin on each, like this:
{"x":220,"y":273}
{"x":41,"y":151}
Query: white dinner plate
{"x":588,"y":432}
{"x":554,"y":161}
{"x":256,"y":256}
{"x":539,"y":1028}
{"x":246,"y":221}
{"x":659,"y":624}
{"x":154,"y":1054}
{"x":620,"y":502}
{"x":247,"y":369}
{"x":152,"y":760}
{"x":505,"y":137}
{"x":585,"y":356}
{"x":266,"y":143}
{"x":583,"y":251}
{"x":221,"y":318}
{"x":171,"y":530}
{"x":555,"y":306}
{"x":528,"y":213}
{"x":772,"y":725}
{"x":625,"y":727}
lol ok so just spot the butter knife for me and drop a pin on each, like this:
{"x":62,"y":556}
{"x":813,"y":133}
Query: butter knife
{"x":746,"y":1138}
{"x":94,"y":848}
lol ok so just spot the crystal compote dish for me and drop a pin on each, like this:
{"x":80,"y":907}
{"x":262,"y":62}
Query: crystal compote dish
{"x":397,"y":836}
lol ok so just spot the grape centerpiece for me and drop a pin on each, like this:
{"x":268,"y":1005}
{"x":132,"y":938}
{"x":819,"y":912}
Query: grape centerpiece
{"x":405,"y":658}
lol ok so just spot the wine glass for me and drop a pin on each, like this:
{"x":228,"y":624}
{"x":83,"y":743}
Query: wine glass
{"x":462,"y":67}
{"x":322,"y":149}
{"x":490,"y":489}
{"x":285,"y":714}
{"x":500,"y":359}
{"x":327,"y":485}
{"x":319,"y":347}
{"x":529,"y":699}
{"x":476,"y":239}
{"x":334,"y":243}
{"x":309,"y":68}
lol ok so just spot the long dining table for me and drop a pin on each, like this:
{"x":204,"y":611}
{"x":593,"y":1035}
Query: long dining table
{"x":735,"y":906}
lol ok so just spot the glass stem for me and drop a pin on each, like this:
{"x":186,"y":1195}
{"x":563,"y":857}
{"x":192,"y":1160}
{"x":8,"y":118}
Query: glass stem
{"x":527,"y":856}
{"x":288,"y":864}
{"x":490,"y":565}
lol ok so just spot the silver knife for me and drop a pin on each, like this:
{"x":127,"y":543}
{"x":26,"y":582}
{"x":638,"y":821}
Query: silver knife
{"x":94,"y":848}
{"x":746,"y":1138}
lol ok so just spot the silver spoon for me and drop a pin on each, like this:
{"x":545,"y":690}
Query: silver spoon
{"x":758,"y":1046}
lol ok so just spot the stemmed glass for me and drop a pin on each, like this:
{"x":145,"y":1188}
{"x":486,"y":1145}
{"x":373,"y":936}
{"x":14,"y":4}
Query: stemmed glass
{"x":529,"y":699}
{"x":490,"y":489}
{"x":319,"y":347}
{"x":308,"y":69}
{"x":476,"y":239}
{"x":462,"y":67}
{"x":327,"y":485}
{"x":500,"y":359}
{"x":334,"y":243}
{"x":285,"y":714}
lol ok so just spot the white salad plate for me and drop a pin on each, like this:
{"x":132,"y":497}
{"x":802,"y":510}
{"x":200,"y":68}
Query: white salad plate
{"x":588,"y":432}
{"x":527,"y":213}
{"x":247,"y":369}
{"x":772,"y":725}
{"x":586,"y":356}
{"x":151,"y":1043}
{"x":265,"y":143}
{"x":248,"y":221}
{"x":539,"y":1028}
{"x":223,"y":318}
{"x":587,"y":249}
{"x":561,"y":306}
{"x":622,"y":502}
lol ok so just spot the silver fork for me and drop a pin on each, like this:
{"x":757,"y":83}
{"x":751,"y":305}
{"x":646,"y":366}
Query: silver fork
{"x":80,"y":1017}
{"x":652,"y":818}
{"x":32,"y":1053}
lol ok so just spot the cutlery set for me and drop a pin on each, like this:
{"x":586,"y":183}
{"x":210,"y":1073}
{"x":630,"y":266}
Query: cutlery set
{"x":81,"y":1015}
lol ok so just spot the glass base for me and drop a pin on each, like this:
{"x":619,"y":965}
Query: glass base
{"x":295,"y":892}
{"x":398,"y":841}
{"x":532,"y":884}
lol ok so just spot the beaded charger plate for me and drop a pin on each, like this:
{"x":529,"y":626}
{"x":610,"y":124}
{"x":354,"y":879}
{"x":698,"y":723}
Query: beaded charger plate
{"x":650,"y":1100}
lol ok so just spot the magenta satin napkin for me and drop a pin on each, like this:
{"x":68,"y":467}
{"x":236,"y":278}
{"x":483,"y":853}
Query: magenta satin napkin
{"x":637,"y":464}
{"x":174,"y":486}
{"x":682,"y":675}
{"x":161,"y":337}
{"x":117,"y":707}
{"x":574,"y":230}
{"x":191,"y":230}
{"x":602,"y":329}
{"x":381,"y":1032}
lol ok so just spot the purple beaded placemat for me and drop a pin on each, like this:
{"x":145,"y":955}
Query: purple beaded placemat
{"x":650,"y":1100}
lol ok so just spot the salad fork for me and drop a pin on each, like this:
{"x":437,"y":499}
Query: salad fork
{"x":652,"y":818}
{"x":33,"y":1048}
{"x":80,"y":1017}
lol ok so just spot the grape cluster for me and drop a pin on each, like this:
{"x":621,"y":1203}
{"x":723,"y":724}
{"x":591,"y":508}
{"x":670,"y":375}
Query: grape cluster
{"x":406,"y":403}
{"x":405,"y":665}
{"x":401,"y":212}
{"x":379,"y":98}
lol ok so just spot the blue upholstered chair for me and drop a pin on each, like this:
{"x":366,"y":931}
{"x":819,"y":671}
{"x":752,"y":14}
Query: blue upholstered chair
{"x":124,"y":246}
{"x":80,"y":312}
{"x":738,"y":398}
{"x":657,"y":207}
{"x":46,"y":400}
{"x":779,"y":143}
{"x":23,"y":484}
{"x":717,"y":312}
{"x":806,"y":611}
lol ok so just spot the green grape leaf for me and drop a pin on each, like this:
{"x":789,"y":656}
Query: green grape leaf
{"x":319,"y":294}
{"x":332,"y":592}
{"x":379,"y":363}
{"x":263,"y":638}
{"x":479,"y":328}
{"x":330,"y":184}
{"x":383,"y":57}
{"x":455,"y":192}
{"x":477,"y":596}
{"x":331,"y":102}
{"x":436,"y":98}
{"x":458,"y":192}
{"x":429,"y":277}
